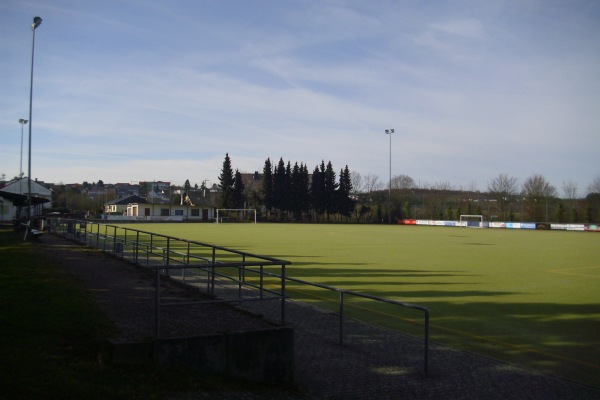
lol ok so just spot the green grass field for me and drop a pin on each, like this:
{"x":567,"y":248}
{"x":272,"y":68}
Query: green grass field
{"x":527,"y":297}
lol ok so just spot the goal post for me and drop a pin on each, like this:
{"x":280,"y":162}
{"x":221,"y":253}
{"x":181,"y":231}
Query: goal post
{"x":235,"y":215}
{"x":472,"y":221}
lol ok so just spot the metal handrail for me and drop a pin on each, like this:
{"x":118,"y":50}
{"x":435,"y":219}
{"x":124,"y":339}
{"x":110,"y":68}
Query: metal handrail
{"x":211,"y":264}
{"x":343,"y":292}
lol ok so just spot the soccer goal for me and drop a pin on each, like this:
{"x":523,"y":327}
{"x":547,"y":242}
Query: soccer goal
{"x":235,"y":215}
{"x":472,"y":221}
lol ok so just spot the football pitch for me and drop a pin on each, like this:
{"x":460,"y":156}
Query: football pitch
{"x":531,"y":298}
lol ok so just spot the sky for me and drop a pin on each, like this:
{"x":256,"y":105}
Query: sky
{"x":149,"y":90}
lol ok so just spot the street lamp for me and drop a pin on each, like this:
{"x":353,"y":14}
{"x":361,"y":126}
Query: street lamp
{"x":22,"y":122}
{"x":36,"y":22}
{"x":389,"y":132}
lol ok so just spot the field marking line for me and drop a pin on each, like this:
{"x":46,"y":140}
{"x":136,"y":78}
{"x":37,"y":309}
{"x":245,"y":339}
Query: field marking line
{"x":523,"y":347}
{"x":565,"y":271}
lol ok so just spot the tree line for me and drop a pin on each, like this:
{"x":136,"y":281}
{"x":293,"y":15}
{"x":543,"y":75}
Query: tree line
{"x":290,"y":192}
{"x":535,"y":200}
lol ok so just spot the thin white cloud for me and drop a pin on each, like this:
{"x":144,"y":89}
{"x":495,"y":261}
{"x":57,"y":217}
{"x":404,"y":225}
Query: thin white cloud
{"x":472,"y":90}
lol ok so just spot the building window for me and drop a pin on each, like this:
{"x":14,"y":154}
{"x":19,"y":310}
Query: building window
{"x":164,"y":212}
{"x":195,"y":212}
{"x":178,"y":212}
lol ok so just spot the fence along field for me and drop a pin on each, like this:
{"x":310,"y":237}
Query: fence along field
{"x":527,"y":297}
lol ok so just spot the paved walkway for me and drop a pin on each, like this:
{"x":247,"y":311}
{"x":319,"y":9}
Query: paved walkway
{"x":372,"y":364}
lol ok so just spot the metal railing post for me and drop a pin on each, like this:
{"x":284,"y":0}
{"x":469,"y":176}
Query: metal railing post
{"x":261,"y":280}
{"x":283,"y":279}
{"x":115,"y":240}
{"x":341,"y":317}
{"x":241,"y":271}
{"x":426,"y":368}
{"x":124,"y":241}
{"x":157,"y":306}
{"x":186,"y":262}
{"x":168,"y":263}
{"x":137,"y":247}
{"x":105,"y":237}
{"x":212,"y":277}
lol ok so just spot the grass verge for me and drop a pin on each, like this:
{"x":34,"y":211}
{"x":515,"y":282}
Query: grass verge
{"x":50,"y":333}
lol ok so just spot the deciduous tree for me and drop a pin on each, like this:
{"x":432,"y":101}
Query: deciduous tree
{"x":503,"y":189}
{"x":537,"y":190}
{"x":594,"y":187}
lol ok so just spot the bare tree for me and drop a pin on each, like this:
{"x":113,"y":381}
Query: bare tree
{"x":536,"y":186}
{"x":358,"y":183}
{"x":403,"y":182}
{"x":372,"y":183}
{"x":569,"y":189}
{"x":438,"y":197}
{"x":537,"y":190}
{"x":503,"y":188}
{"x":595,"y":185}
{"x":442,"y":186}
{"x":470,"y":187}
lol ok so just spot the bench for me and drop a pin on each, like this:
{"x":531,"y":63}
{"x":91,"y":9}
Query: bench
{"x":35,"y":233}
{"x":31,"y":233}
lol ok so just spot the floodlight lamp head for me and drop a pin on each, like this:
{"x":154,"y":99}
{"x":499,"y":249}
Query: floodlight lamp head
{"x":36,"y":22}
{"x":23,"y":121}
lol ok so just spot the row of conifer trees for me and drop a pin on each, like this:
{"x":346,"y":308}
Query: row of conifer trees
{"x":291,"y":191}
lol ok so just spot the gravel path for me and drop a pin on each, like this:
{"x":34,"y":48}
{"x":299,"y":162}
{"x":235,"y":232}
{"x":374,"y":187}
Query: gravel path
{"x":373,"y":363}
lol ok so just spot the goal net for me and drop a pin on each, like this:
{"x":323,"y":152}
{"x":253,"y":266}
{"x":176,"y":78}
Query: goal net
{"x":235,"y":215}
{"x":472,"y":221}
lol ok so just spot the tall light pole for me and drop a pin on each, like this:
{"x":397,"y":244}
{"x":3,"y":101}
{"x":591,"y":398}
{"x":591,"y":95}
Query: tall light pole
{"x":36,"y":22}
{"x":22,"y":122}
{"x":389,"y":132}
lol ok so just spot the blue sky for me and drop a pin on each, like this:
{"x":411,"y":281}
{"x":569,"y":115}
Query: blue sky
{"x":161,"y":90}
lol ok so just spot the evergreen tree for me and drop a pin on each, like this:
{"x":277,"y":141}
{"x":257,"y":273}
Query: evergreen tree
{"x":279,"y":187}
{"x":267,"y":185}
{"x":560,"y":212}
{"x":238,"y":198}
{"x":345,"y":202}
{"x":299,"y":190}
{"x":317,"y":189}
{"x":226,"y":181}
{"x":330,"y":195}
{"x":305,"y":188}
{"x":287,"y":189}
{"x":295,"y":189}
{"x":185,"y":198}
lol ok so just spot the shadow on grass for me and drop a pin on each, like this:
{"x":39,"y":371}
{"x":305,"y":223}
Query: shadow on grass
{"x":552,"y":338}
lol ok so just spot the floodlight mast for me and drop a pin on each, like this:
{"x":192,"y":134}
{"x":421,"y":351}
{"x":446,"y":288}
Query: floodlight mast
{"x":36,"y":22}
{"x":22,"y":122}
{"x":389,"y":132}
